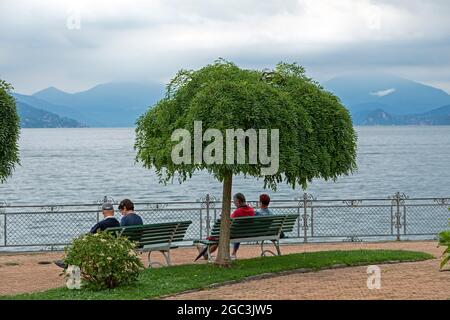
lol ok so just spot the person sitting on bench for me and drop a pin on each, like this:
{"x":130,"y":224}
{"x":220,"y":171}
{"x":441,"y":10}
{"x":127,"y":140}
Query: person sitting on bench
{"x":109,"y":221}
{"x":130,"y":218}
{"x":264,"y":210}
{"x":242,"y":210}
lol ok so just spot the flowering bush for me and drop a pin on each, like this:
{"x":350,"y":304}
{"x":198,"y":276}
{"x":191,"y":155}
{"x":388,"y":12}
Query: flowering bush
{"x":105,"y":261}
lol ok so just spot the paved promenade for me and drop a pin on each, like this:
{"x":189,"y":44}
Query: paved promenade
{"x":418,"y":280}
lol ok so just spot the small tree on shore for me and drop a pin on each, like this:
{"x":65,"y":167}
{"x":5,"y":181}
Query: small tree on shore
{"x":316,"y":136}
{"x":9,"y":132}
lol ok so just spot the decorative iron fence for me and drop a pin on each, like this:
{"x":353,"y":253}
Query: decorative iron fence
{"x":50,"y":227}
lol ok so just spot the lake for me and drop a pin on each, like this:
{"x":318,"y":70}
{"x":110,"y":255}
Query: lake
{"x":85,"y":164}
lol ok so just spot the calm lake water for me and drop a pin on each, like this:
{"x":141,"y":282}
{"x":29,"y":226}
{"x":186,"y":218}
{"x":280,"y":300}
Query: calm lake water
{"x":83,"y":165}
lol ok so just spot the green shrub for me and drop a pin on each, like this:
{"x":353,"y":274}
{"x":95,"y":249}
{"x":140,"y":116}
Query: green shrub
{"x":105,"y":261}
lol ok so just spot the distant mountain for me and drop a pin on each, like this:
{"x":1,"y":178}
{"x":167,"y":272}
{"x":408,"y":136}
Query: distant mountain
{"x":116,"y":104}
{"x":31,"y":117}
{"x":439,"y":116}
{"x":61,"y":111}
{"x":442,"y":111}
{"x":373,"y":91}
{"x":373,"y":98}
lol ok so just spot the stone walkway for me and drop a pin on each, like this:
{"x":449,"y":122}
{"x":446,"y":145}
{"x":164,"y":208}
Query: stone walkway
{"x":419,"y":280}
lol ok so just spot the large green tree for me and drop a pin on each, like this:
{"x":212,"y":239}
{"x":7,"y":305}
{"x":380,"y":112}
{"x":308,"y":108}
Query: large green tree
{"x":316,"y":136}
{"x":9,"y":132}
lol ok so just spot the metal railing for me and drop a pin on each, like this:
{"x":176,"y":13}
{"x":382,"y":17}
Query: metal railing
{"x":50,"y":227}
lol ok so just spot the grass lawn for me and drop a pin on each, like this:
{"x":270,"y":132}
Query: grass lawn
{"x":154,"y":283}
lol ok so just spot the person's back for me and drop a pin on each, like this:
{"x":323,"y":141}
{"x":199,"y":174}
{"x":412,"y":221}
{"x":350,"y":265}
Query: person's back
{"x":130,"y":218}
{"x":109,"y":222}
{"x":243,"y":211}
{"x":264,"y":210}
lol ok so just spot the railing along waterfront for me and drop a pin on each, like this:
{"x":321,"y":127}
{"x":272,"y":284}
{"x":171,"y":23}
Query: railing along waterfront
{"x":398,"y":217}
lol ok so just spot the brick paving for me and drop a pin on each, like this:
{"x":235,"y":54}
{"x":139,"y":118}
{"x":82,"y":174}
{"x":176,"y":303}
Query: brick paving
{"x":21,"y":273}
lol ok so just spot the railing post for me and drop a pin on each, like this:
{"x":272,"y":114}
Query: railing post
{"x":208,"y":203}
{"x":306,"y":201}
{"x":3,"y":206}
{"x":298,"y":220}
{"x":397,"y":200}
{"x":207,"y":215}
{"x":5,"y":230}
{"x":202,"y":205}
{"x":100,"y":204}
{"x":105,"y":199}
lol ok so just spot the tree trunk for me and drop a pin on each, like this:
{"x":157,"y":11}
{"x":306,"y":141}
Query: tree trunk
{"x":223,"y":256}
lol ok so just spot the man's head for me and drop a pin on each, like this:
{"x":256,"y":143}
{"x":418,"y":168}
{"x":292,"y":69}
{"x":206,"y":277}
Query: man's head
{"x":264,"y":200}
{"x":107,"y":209}
{"x":126,"y":206}
{"x":239,"y":200}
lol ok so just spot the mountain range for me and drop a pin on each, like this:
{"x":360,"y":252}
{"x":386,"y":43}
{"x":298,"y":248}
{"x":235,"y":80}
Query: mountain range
{"x":372,"y":99}
{"x":439,"y":116}
{"x":115,"y":104}
{"x":384,"y":99}
{"x":31,"y":117}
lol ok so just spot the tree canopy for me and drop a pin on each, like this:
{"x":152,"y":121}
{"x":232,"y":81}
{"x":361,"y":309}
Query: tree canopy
{"x":9,"y":132}
{"x":316,"y":136}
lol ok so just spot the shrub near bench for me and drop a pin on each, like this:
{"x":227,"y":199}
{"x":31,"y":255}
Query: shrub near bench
{"x":105,"y":261}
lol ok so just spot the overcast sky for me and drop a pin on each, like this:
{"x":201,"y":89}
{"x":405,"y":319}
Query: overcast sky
{"x":74,"y":45}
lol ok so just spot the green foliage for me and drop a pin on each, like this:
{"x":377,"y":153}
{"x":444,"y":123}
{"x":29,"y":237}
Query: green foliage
{"x":9,"y":132}
{"x":105,"y":261}
{"x":317,"y":139}
{"x":444,"y":240}
{"x":158,"y":282}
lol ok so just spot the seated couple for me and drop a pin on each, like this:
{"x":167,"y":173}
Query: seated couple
{"x":242,"y":210}
{"x":129,"y":218}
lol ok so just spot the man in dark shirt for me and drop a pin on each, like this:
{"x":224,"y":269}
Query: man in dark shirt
{"x":109,"y":221}
{"x":130,"y":218}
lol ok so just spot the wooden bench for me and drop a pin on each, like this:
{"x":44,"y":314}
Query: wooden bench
{"x":155,"y":237}
{"x":254,"y":229}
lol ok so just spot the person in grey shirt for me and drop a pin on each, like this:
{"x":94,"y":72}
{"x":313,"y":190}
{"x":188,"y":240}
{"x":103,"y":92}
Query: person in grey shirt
{"x":130,"y":218}
{"x":264,"y":210}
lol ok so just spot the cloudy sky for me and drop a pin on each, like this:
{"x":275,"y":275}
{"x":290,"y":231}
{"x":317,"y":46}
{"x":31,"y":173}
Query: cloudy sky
{"x":74,"y":45}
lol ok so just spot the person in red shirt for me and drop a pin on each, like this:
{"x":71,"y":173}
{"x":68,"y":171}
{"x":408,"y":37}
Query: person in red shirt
{"x":242,"y":210}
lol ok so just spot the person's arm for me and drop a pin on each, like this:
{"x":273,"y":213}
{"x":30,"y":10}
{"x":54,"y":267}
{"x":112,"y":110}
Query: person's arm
{"x":123,"y":221}
{"x":95,"y":228}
